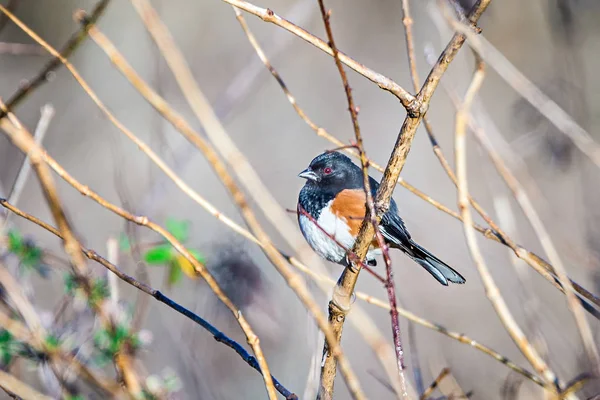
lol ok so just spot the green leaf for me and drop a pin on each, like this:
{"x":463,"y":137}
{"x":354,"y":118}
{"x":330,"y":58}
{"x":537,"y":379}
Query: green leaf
{"x":32,"y":256}
{"x":179,"y":229}
{"x":175,"y":272}
{"x":159,"y":255}
{"x":15,"y":241}
{"x":70,"y":283}
{"x":99,"y":291}
{"x":52,"y":342}
{"x":124,"y":244}
{"x":5,"y":337}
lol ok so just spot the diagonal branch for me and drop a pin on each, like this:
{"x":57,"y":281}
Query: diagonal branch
{"x":68,"y":49}
{"x":267,"y":15}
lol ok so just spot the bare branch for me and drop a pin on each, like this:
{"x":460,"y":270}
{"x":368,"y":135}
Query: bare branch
{"x":491,"y":288}
{"x":383,"y":82}
{"x":68,"y":49}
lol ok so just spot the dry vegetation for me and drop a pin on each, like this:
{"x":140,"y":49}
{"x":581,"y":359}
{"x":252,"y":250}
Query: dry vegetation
{"x":79,"y":322}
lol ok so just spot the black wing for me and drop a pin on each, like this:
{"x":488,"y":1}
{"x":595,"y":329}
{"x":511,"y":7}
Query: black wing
{"x":391,"y":226}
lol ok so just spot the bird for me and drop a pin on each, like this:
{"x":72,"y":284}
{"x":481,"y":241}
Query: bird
{"x":335,"y":201}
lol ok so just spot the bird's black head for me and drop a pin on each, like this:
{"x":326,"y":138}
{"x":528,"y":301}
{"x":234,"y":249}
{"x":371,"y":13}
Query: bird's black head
{"x":332,"y":169}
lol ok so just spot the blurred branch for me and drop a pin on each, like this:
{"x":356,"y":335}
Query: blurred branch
{"x":238,"y":162}
{"x":533,"y":217}
{"x":21,"y":333}
{"x":537,"y":224}
{"x":497,"y":234}
{"x":25,"y":142}
{"x":68,"y":49}
{"x":12,"y":385}
{"x":47,"y":112}
{"x":20,"y":49}
{"x":10,"y":5}
{"x":519,"y":82}
{"x":267,"y":15}
{"x":434,"y":384}
{"x":159,"y":296}
{"x":491,"y":288}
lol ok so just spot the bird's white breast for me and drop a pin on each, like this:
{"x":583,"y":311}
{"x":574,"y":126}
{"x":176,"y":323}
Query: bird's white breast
{"x":335,"y":227}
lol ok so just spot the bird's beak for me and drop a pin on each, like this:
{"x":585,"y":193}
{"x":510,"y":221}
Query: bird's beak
{"x":308,"y":174}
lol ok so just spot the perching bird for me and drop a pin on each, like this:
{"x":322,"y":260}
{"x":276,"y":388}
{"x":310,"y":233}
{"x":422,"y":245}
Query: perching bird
{"x":334,"y":196}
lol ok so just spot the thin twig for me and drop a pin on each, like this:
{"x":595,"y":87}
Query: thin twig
{"x":491,"y":288}
{"x":159,"y":296}
{"x":434,"y":384}
{"x":383,"y":82}
{"x":68,"y":49}
{"x":522,"y":85}
{"x":47,"y":112}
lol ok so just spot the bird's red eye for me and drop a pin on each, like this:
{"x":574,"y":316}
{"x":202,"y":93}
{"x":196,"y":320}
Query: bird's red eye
{"x":327,"y":170}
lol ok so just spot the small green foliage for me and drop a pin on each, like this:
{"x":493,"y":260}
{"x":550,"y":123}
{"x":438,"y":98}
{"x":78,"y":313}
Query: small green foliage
{"x":157,"y":386}
{"x":7,"y":347}
{"x":28,"y":253}
{"x":15,"y":241}
{"x":52,"y":342}
{"x":175,"y":272}
{"x":124,"y":243}
{"x":165,"y":254}
{"x":179,"y":229}
{"x":74,"y":397}
{"x":70,"y":284}
{"x":99,"y":289}
{"x":109,"y":342}
{"x":161,"y":254}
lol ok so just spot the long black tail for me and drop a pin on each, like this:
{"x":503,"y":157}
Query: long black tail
{"x":436,"y":267}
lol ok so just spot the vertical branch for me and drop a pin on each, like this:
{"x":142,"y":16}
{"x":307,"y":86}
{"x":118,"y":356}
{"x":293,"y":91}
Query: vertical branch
{"x":345,"y":288}
{"x":491,"y":288}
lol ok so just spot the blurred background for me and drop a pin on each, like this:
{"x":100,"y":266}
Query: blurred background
{"x":555,"y":43}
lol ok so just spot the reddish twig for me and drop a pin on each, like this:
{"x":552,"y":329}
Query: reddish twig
{"x":348,"y":279}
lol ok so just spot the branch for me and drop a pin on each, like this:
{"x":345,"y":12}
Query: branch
{"x":491,"y":288}
{"x":522,"y":85}
{"x":159,"y":296}
{"x":383,"y":82}
{"x":341,"y":299}
{"x":11,"y":384}
{"x":68,"y":49}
